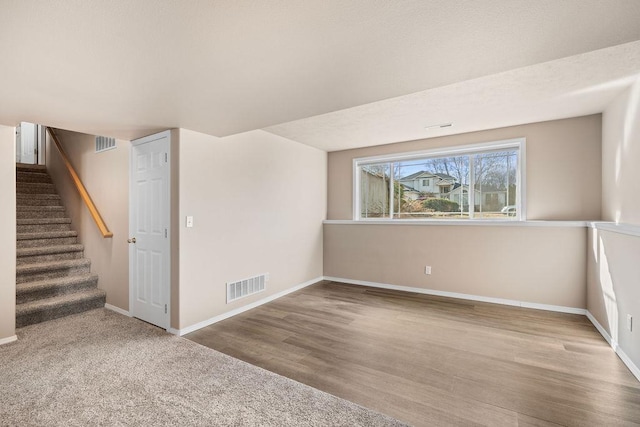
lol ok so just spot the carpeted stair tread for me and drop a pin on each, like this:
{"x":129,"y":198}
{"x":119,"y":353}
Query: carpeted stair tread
{"x":34,"y":212}
{"x":47,"y":250}
{"x":22,"y":288}
{"x":43,"y":221}
{"x":35,"y":187}
{"x":32,"y":306}
{"x":49,"y":238}
{"x":48,"y":288}
{"x":38,"y":200}
{"x":37,"y":254}
{"x":30,"y":167}
{"x":52,"y":308}
{"x":29,"y":208}
{"x":47,"y":235}
{"x":32,"y":176}
{"x":52,"y":265}
{"x":37,"y":196}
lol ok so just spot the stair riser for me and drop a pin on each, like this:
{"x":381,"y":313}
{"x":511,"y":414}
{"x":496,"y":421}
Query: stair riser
{"x":57,"y":291}
{"x":23,"y":189}
{"x":50,"y":314}
{"x":32,"y":177}
{"x":34,"y":201}
{"x":42,"y":275}
{"x":22,"y":260}
{"x":46,"y":242}
{"x":42,"y":228}
{"x":46,"y":213}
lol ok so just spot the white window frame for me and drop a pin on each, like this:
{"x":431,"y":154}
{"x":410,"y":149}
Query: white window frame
{"x":515,"y":143}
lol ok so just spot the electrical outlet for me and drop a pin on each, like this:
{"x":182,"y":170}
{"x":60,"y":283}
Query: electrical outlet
{"x":427,"y":270}
{"x":189,"y":221}
{"x":630,"y":322}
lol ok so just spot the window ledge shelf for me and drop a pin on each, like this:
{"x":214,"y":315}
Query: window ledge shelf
{"x":465,"y":222}
{"x":620,"y":228}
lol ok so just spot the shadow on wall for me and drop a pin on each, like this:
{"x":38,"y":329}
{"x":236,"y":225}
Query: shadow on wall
{"x":613,"y":291}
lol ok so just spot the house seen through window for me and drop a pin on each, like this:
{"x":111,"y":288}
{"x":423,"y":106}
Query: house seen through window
{"x":471,"y":182}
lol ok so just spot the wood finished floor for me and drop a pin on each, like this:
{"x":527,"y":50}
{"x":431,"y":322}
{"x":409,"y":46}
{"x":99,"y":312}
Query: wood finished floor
{"x":436,"y":361}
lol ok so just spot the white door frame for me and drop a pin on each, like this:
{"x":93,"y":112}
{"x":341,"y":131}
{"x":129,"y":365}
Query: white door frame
{"x":167,"y":284}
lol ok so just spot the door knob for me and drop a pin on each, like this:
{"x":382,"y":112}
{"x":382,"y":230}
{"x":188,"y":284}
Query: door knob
{"x":132,"y":240}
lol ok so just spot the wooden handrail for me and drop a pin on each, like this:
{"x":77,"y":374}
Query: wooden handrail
{"x":80,"y":187}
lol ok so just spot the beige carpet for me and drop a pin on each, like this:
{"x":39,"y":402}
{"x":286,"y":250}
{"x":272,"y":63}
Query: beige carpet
{"x":102,"y":368}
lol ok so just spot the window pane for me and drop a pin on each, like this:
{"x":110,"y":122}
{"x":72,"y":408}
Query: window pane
{"x":432,"y":188}
{"x":374,"y":190}
{"x":495,"y":184}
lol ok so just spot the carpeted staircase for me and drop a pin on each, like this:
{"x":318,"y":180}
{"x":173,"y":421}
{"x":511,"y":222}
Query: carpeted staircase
{"x":53,"y":279}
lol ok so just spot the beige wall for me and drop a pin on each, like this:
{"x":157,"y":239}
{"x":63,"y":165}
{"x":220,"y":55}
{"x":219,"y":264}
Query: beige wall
{"x":544,"y":265}
{"x":613,"y":288}
{"x":613,"y":291}
{"x":258,"y":201}
{"x":106,"y":178}
{"x":7,"y":232}
{"x":563,"y":167}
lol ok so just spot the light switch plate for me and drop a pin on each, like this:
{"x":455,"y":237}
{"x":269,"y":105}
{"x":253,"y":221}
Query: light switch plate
{"x":189,"y":221}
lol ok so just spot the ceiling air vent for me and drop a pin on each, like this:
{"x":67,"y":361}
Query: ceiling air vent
{"x":246,"y":287}
{"x":104,"y":143}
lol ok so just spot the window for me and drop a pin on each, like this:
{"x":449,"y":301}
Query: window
{"x":482,"y":181}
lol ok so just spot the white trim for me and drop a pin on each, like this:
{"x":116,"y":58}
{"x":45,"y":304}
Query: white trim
{"x":464,"y":222}
{"x":521,"y":197}
{"x":458,"y":149}
{"x":117,"y":309}
{"x":556,"y":308}
{"x":8,"y":340}
{"x":242,"y":309}
{"x":628,"y":229}
{"x":603,"y":332}
{"x":502,"y":301}
{"x":627,"y":361}
{"x":356,"y":192}
{"x":614,"y":345}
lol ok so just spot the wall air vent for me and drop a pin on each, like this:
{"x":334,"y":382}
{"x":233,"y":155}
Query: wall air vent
{"x":104,"y":143}
{"x":246,"y":287}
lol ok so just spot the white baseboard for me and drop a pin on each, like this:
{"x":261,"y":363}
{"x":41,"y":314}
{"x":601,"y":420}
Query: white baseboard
{"x":502,"y":301}
{"x":627,"y":361}
{"x":614,"y":345}
{"x":242,"y":309}
{"x":8,"y":339}
{"x":603,"y":331}
{"x":117,"y":309}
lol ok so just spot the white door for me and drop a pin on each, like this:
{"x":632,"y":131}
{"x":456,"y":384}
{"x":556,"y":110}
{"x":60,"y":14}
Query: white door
{"x":27,"y":138}
{"x":149,"y":219}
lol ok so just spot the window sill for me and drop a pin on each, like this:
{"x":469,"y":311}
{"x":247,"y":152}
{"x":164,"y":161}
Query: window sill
{"x":463,"y":222}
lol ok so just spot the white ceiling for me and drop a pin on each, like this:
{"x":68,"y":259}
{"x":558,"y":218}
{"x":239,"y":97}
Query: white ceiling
{"x":575,"y":86}
{"x":127,"y":68}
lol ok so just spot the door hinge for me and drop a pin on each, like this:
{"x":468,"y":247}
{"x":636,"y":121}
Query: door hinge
{"x":165,"y":233}
{"x":166,"y":157}
{"x":165,"y":309}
